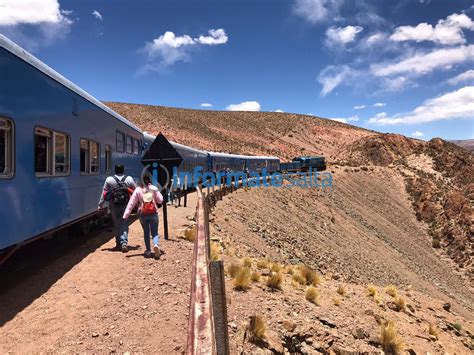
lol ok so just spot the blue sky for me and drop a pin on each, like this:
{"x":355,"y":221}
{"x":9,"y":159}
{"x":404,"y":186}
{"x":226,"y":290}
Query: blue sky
{"x":402,"y":66}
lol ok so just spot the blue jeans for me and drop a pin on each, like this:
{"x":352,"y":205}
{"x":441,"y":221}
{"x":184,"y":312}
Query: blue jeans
{"x":120,"y":226}
{"x":149,"y":223}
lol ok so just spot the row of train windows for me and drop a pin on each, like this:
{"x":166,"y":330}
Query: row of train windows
{"x":52,"y":152}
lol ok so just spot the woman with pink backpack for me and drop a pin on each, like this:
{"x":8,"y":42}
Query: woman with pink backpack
{"x":148,"y":198}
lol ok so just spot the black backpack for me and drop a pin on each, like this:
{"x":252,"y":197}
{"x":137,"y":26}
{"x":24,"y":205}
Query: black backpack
{"x":120,"y":195}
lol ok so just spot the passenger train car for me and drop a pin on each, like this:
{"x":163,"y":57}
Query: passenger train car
{"x":57,"y":146}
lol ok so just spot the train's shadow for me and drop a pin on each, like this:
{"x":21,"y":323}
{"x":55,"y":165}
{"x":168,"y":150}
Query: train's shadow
{"x":33,"y":269}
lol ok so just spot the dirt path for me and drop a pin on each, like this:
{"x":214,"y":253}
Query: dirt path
{"x":90,"y":298}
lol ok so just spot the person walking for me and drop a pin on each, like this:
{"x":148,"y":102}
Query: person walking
{"x":117,"y":190}
{"x":148,"y":198}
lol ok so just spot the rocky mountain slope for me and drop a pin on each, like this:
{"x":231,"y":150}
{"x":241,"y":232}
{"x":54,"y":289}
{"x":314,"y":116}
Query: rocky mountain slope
{"x":467,"y":144}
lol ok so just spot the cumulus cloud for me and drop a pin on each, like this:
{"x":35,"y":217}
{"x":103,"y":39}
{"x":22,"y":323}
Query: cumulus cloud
{"x":342,"y":35}
{"x":423,"y":63}
{"x":215,"y":37}
{"x":49,"y":21}
{"x":315,"y":11}
{"x":206,"y":104}
{"x":379,"y":104}
{"x":447,"y":32}
{"x":244,"y":106}
{"x":463,"y":77}
{"x":347,"y":120}
{"x":279,"y":110}
{"x":457,"y":104}
{"x":168,"y":48}
{"x":359,"y":107}
{"x":333,"y":76}
{"x":97,"y":15}
{"x":417,"y":134}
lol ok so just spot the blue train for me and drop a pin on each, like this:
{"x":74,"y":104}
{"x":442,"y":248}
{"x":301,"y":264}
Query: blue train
{"x":57,"y":146}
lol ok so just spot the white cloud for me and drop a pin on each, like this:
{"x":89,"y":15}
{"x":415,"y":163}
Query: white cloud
{"x":215,"y":37}
{"x":315,"y":11}
{"x":457,"y":104}
{"x":49,"y":20}
{"x":279,"y":110}
{"x":417,"y":134}
{"x":206,"y":104}
{"x":342,"y":35}
{"x":332,"y":76}
{"x":423,"y":63}
{"x":447,"y":31}
{"x":97,"y":15}
{"x":244,"y":106}
{"x":347,"y":120}
{"x":375,"y":38}
{"x":379,"y":104}
{"x":168,"y":48}
{"x":466,"y":76}
{"x":359,"y":107}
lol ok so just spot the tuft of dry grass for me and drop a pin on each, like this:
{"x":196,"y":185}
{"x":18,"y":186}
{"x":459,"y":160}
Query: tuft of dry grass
{"x":433,"y":330}
{"x":263,"y":264}
{"x":274,"y":281}
{"x":311,"y":277}
{"x":341,"y":290}
{"x":372,"y":290}
{"x":242,"y":279}
{"x":289,"y":270}
{"x":337,"y":301}
{"x":391,"y":290}
{"x":215,"y":251}
{"x":313,"y":295}
{"x":276,"y":267}
{"x":247,"y":262}
{"x":389,"y":339}
{"x":400,"y":303}
{"x":233,"y":269}
{"x":299,"y":279}
{"x":257,"y":329}
{"x":190,"y":234}
{"x":255,"y":276}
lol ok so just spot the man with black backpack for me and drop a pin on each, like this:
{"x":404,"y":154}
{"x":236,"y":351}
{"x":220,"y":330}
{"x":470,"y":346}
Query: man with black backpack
{"x":117,"y":190}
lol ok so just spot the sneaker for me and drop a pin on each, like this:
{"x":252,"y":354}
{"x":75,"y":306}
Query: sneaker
{"x":157,"y":252}
{"x":147,"y":254}
{"x":124,"y":248}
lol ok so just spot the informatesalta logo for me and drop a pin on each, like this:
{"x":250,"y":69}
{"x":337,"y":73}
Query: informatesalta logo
{"x":185,"y":179}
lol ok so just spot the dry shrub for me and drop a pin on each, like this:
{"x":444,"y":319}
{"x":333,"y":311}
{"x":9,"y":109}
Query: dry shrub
{"x":289,"y":270}
{"x":391,"y":290}
{"x":400,"y":303}
{"x":391,"y":342}
{"x":242,"y":279}
{"x":215,"y":251}
{"x":274,"y":281}
{"x":311,"y":277}
{"x":341,"y":290}
{"x":263,"y":264}
{"x":276,"y":267}
{"x":299,"y":279}
{"x":337,"y":301}
{"x":255,"y":276}
{"x":247,"y":262}
{"x":433,"y":330}
{"x":257,"y":329}
{"x":233,"y":269}
{"x":190,"y":234}
{"x":372,"y":290}
{"x":313,"y":295}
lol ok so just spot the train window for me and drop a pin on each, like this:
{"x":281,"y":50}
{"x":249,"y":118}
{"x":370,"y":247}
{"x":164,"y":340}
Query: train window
{"x":120,"y":142}
{"x":6,"y":148}
{"x":51,"y":153}
{"x":89,"y":151}
{"x":136,"y":146}
{"x":129,"y":149}
{"x":108,"y":159}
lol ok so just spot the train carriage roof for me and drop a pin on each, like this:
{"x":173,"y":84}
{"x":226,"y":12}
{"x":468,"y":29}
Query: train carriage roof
{"x":36,"y":63}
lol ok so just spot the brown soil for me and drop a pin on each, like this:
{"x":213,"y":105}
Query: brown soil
{"x":91,"y":299}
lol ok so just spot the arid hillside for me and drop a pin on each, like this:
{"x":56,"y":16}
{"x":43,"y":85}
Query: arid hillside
{"x":256,"y":133}
{"x":467,"y":144}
